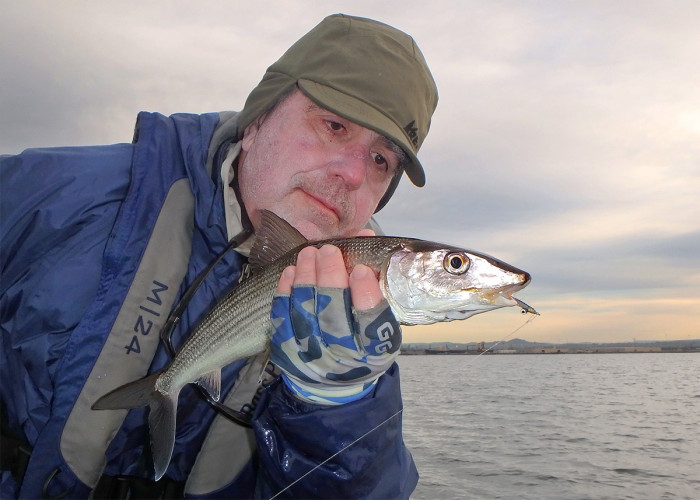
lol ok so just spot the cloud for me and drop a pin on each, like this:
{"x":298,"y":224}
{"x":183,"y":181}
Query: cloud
{"x":566,"y":140}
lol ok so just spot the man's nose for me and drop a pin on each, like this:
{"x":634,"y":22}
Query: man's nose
{"x":351,"y":165}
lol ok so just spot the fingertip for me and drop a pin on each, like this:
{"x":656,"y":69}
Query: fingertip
{"x":330,"y":266}
{"x":328,"y":250}
{"x":307,"y":252}
{"x":284,"y":285}
{"x":359,"y":272}
{"x":364,"y":288}
{"x":305,"y":272}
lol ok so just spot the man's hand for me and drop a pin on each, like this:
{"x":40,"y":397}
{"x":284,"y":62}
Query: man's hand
{"x":335,"y":334}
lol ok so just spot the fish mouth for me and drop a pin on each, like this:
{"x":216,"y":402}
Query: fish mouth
{"x":492,"y":299}
{"x":507,"y":291}
{"x":503,"y":296}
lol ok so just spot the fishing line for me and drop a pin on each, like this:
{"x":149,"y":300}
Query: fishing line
{"x":507,"y":336}
{"x":336,"y":454}
{"x":387,"y":419}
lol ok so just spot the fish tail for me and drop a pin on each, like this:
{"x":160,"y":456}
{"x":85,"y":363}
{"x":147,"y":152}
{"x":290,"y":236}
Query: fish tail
{"x":161,"y":416}
{"x":135,"y":394}
{"x":161,"y":423}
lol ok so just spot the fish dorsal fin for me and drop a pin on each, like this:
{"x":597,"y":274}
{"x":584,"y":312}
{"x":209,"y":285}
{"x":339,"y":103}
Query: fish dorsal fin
{"x":275,"y":238}
{"x":211,"y":382}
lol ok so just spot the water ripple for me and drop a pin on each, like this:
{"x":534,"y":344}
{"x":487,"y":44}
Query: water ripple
{"x":552,"y":427}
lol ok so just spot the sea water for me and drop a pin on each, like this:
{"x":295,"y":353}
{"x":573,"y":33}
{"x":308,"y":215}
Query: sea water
{"x":554,"y":426}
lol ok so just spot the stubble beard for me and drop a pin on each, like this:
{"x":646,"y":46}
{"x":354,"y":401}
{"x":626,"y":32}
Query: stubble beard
{"x":312,"y":218}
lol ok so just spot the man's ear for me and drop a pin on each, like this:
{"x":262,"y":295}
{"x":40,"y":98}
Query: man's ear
{"x":249,"y":134}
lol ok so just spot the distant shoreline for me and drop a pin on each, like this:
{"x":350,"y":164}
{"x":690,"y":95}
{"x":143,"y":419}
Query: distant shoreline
{"x":430,"y":352}
{"x":520,"y":346}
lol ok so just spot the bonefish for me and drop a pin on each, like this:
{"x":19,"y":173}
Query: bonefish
{"x":424,"y":283}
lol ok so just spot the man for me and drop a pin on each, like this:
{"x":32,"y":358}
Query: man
{"x":100,"y":243}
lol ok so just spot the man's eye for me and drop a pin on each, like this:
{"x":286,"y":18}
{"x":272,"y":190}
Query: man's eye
{"x":335,"y":126}
{"x":380,"y":159}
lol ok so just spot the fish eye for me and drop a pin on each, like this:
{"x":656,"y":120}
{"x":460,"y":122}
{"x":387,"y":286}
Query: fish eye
{"x":456,"y":263}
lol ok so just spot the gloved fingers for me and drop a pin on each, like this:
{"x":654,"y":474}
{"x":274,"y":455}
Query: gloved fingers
{"x":324,"y":344}
{"x":324,"y":268}
{"x":303,"y":321}
{"x":319,"y":340}
{"x":320,"y":320}
{"x":286,"y":350}
{"x":335,"y":321}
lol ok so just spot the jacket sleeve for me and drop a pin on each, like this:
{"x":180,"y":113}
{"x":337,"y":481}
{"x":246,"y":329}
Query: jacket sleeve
{"x":354,"y":450}
{"x":57,"y":207}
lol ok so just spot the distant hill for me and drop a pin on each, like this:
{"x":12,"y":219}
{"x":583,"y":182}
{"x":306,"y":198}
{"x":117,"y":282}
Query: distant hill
{"x":506,"y":344}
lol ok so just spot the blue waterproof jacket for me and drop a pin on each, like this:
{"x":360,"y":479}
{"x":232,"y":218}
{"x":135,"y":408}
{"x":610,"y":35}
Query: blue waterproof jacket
{"x":96,"y":245}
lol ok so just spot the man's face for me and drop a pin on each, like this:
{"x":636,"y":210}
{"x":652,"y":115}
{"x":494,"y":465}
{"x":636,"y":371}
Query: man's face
{"x":322,"y":173}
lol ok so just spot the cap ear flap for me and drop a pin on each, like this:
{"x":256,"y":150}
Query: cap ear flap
{"x":390,"y":190}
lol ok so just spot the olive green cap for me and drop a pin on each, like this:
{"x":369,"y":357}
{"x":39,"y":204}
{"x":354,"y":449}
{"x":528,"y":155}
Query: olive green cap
{"x":362,"y":70}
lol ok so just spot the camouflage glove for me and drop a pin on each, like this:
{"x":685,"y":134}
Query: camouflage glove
{"x":328,"y":352}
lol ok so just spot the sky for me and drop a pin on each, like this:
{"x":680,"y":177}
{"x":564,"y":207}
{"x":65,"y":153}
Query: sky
{"x":566,"y":140}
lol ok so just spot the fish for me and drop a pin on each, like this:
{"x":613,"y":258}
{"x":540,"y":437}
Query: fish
{"x":424,"y":283}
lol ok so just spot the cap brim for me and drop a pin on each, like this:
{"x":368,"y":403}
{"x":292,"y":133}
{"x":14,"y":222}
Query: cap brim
{"x":363,"y":114}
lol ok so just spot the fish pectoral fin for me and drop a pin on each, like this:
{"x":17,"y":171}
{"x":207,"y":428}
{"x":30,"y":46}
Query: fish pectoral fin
{"x":211,"y":382}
